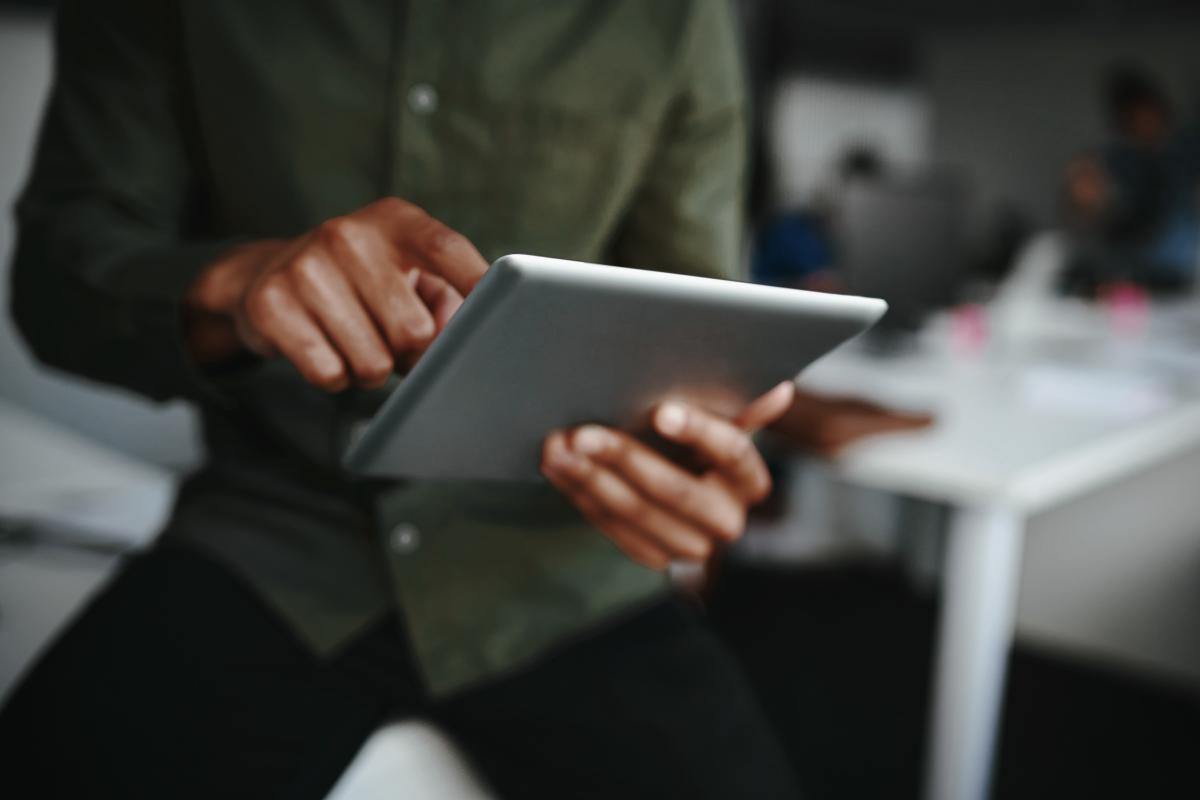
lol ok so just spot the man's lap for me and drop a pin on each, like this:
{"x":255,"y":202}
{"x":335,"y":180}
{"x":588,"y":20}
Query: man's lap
{"x":177,"y":681}
{"x":651,"y":707}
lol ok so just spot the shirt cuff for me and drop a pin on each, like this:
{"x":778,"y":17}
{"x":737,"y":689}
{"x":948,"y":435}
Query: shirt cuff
{"x":154,"y":284}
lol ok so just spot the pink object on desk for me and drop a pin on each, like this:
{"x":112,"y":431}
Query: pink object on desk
{"x":1128,"y":307}
{"x":969,"y":328}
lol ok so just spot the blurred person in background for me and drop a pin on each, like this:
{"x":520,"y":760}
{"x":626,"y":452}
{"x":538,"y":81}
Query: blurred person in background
{"x":270,"y":209}
{"x":797,"y":248}
{"x":1134,"y":206}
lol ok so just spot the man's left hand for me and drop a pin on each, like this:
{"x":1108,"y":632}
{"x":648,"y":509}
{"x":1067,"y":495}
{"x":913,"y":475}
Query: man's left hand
{"x":656,"y":510}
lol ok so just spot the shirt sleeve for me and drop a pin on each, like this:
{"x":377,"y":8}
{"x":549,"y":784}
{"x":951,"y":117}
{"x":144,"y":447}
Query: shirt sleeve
{"x":688,"y":213}
{"x":103,"y":254}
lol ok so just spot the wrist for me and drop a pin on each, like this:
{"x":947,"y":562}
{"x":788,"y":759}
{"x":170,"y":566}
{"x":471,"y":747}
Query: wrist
{"x":213,"y":296}
{"x":219,"y":286}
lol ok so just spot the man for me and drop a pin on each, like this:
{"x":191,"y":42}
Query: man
{"x":1134,"y":207}
{"x":270,"y":209}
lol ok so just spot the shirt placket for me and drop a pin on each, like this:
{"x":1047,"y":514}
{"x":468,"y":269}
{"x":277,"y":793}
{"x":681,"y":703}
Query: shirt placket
{"x":416,"y":101}
{"x":403,"y":521}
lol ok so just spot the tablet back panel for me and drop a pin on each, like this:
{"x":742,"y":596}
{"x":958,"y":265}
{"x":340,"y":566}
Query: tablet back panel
{"x":543,"y":344}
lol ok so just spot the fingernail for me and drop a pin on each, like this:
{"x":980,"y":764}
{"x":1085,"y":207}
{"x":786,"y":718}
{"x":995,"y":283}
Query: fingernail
{"x":671,"y":419}
{"x":590,"y":440}
{"x":559,"y":458}
{"x":570,"y":463}
{"x":786,"y":387}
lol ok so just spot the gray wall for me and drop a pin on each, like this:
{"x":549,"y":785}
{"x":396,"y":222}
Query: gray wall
{"x":164,"y":435}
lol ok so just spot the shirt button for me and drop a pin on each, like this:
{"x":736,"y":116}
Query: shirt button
{"x":422,"y":98}
{"x":404,"y":538}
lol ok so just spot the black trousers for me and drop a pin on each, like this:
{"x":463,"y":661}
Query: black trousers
{"x":177,"y":682}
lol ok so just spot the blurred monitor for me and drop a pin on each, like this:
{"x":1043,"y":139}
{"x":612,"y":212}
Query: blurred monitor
{"x":902,"y":239}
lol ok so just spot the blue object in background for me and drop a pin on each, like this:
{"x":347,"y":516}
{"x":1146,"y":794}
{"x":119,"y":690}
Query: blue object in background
{"x":791,"y":248}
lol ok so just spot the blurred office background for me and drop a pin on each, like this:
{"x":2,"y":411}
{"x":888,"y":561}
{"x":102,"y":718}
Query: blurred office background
{"x":941,"y":138}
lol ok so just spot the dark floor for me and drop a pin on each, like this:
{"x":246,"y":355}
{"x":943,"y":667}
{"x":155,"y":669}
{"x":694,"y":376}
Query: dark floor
{"x":841,"y":659}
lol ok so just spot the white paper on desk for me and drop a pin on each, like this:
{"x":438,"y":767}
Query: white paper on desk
{"x":1095,"y":393}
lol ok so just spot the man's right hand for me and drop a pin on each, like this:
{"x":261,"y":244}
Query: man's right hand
{"x":348,"y":302}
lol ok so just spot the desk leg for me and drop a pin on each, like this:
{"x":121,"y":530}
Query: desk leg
{"x":978,"y":609}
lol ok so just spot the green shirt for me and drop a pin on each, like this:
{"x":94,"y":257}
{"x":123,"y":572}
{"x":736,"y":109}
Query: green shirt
{"x":606,"y":130}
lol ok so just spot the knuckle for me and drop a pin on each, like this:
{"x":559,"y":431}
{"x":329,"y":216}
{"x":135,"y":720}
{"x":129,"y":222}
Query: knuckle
{"x":695,"y":427}
{"x":392,"y":205}
{"x":399,"y":339}
{"x":395,"y":283}
{"x":438,"y":239}
{"x":586,"y":476}
{"x":741,"y":448}
{"x":377,"y":371}
{"x":336,"y":231}
{"x":622,"y":450}
{"x":307,"y":269}
{"x":678,"y":493}
{"x":628,"y":505}
{"x":702,"y":550}
{"x":262,"y":302}
{"x":609,"y":450}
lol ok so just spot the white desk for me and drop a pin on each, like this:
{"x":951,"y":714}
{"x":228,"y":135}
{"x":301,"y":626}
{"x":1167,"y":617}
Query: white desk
{"x":1064,"y":412}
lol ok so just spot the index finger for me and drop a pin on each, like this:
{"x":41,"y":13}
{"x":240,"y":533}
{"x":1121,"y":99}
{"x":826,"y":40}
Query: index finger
{"x":441,"y":250}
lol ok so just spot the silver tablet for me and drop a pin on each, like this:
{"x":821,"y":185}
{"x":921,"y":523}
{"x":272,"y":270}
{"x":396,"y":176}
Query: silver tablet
{"x":543,"y":344}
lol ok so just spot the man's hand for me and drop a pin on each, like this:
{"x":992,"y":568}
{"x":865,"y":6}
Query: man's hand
{"x":826,"y":425}
{"x":347,"y":302}
{"x":653,"y":509}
